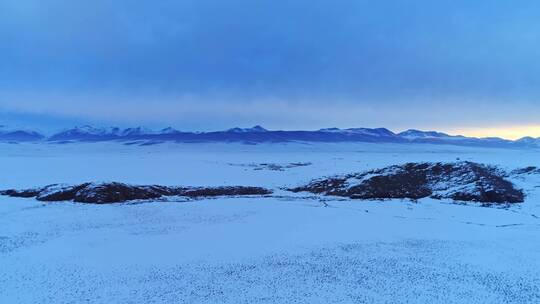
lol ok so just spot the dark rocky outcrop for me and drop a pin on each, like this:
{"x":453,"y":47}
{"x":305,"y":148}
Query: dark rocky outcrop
{"x":105,"y":193}
{"x":526,"y":171}
{"x":460,"y":181}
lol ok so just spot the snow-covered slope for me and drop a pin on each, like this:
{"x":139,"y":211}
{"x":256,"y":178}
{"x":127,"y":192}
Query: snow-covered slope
{"x":417,"y":134}
{"x":285,"y":248}
{"x":377,"y":132}
{"x":529,"y":142}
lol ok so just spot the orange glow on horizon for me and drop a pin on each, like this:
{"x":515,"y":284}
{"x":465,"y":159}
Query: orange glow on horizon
{"x":507,"y":132}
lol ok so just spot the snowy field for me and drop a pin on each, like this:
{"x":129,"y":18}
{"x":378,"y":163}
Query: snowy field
{"x":288,"y":248}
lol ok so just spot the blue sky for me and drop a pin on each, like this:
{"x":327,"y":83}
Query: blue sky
{"x":210,"y":64}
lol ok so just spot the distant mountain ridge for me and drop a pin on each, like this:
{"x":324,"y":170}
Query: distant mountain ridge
{"x":18,"y":135}
{"x":417,"y":134}
{"x":258,"y":134}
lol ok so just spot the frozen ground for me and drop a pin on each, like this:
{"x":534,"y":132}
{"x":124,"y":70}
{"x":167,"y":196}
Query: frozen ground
{"x":284,"y":249}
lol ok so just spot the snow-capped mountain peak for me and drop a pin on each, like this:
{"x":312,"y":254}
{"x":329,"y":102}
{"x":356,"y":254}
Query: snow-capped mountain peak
{"x":136,"y":131}
{"x":380,"y":132}
{"x":415,"y":134}
{"x":169,"y":130}
{"x":255,"y":129}
{"x":377,"y":132}
{"x":331,"y":130}
{"x":87,"y":132}
{"x":91,"y":130}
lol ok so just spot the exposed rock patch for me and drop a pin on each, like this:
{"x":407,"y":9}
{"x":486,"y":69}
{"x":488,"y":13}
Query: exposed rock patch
{"x":461,"y":181}
{"x":273,"y":167}
{"x":526,"y":171}
{"x":105,"y":193}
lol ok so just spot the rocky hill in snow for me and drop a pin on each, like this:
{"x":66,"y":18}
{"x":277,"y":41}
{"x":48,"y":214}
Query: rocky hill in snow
{"x":106,"y":193}
{"x":459,"y":181}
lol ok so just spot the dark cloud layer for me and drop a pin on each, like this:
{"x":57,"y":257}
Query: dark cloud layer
{"x":376,"y":55}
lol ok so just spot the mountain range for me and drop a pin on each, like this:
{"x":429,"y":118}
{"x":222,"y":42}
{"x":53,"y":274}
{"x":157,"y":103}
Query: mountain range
{"x":258,"y":134}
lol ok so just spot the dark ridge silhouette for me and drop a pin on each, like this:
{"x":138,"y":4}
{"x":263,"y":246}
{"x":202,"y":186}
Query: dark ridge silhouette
{"x":526,"y":171}
{"x":21,"y":136}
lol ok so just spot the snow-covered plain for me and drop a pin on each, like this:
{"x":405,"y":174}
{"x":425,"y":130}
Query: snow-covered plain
{"x":288,"y":248}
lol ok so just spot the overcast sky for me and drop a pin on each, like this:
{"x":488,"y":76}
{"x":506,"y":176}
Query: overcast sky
{"x":286,"y":64}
